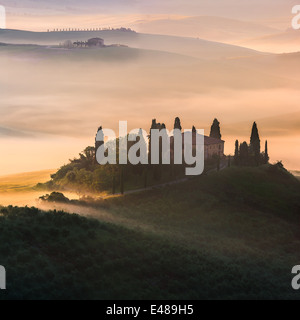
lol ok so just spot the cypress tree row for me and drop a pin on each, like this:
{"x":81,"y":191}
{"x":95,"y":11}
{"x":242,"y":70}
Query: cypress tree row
{"x":250,"y":155}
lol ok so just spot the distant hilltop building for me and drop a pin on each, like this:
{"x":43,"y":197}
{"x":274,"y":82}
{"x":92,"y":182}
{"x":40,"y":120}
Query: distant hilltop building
{"x":92,"y":43}
{"x":213,"y":147}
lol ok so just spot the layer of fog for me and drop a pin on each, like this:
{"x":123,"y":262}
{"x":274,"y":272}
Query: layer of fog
{"x":59,"y":98}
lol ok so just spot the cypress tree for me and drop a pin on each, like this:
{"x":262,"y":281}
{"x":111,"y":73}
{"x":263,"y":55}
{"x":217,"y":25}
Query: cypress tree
{"x":153,"y":126}
{"x":98,"y":144}
{"x":177,"y":124}
{"x":215,"y":130}
{"x":236,"y":152}
{"x":267,"y":158}
{"x":255,"y":144}
{"x":141,"y":139}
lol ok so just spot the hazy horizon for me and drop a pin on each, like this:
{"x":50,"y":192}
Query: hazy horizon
{"x":260,"y":25}
{"x":53,"y":102}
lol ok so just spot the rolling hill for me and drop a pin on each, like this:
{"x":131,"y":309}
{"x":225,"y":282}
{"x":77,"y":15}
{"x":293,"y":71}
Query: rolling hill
{"x":281,"y":42}
{"x":206,"y":27}
{"x":147,"y":65}
{"x":183,"y":75}
{"x":230,"y":235}
{"x":187,"y":46}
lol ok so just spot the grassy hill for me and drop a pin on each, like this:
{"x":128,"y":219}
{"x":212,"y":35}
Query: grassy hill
{"x":235,"y":208}
{"x":233,"y":234}
{"x":187,"y":46}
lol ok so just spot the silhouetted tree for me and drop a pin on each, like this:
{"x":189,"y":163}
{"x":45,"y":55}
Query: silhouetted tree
{"x":141,"y":138}
{"x":99,"y":143}
{"x":153,"y":126}
{"x":266,"y":155}
{"x":89,"y":153}
{"x":229,"y":161}
{"x":244,"y":153}
{"x":215,"y":131}
{"x":255,"y":144}
{"x":236,"y":152}
{"x":177,"y":124}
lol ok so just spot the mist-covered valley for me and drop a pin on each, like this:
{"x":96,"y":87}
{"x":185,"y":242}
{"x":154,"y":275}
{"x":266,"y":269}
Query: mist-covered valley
{"x":54,"y":99}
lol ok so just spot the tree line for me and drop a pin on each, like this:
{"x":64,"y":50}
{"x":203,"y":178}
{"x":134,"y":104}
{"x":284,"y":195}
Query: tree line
{"x":250,"y":154}
{"x":85,"y":175}
{"x":91,"y":30}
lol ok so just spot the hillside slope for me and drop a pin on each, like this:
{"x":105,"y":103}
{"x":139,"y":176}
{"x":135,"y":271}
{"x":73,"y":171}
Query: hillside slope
{"x":225,"y":205}
{"x":231,"y":235}
{"x":205,"y":27}
{"x":287,"y":41}
{"x":188,"y":46}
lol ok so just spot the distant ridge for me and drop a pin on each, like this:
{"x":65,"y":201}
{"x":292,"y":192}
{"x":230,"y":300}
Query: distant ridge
{"x":206,"y":27}
{"x":187,"y":46}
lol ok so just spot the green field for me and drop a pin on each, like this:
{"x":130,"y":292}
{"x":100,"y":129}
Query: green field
{"x":233,"y":234}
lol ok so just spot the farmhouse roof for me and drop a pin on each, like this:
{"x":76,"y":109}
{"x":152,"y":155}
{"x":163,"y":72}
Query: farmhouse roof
{"x":207,"y":140}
